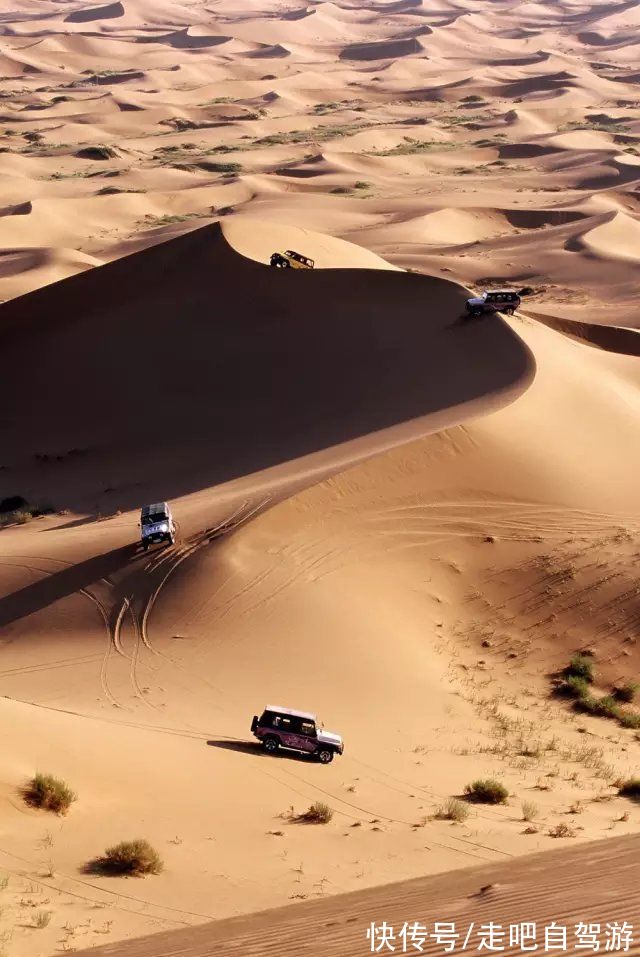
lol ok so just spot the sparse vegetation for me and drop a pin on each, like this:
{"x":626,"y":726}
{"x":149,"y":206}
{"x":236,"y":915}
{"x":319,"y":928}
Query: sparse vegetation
{"x":42,"y":919}
{"x":630,"y":789}
{"x":49,"y":793}
{"x":574,"y":687}
{"x":411,"y":145}
{"x":629,"y":719}
{"x":452,"y":810}
{"x":225,"y":167}
{"x":580,"y":666}
{"x":626,"y":692}
{"x":96,"y":153}
{"x":576,"y":682}
{"x":135,"y":858}
{"x":530,"y":811}
{"x":486,"y":791}
{"x":561,"y":830}
{"x":318,"y":813}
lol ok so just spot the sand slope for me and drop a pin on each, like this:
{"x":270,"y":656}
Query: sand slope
{"x":404,"y":522}
{"x":506,"y":894}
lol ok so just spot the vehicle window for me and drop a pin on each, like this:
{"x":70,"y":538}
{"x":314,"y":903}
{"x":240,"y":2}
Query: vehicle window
{"x":281,"y":722}
{"x":308,"y":727}
{"x":154,"y":519}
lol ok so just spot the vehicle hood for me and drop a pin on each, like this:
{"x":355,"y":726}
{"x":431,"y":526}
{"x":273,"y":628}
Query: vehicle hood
{"x":328,"y":737}
{"x":476,"y":301}
{"x":157,"y":529}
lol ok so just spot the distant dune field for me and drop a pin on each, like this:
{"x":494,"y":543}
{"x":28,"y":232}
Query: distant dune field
{"x":402,"y":520}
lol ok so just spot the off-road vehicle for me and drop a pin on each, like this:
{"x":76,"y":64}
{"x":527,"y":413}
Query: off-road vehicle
{"x":494,"y":300}
{"x":156,"y":525}
{"x":291,"y":260}
{"x":297,"y":730}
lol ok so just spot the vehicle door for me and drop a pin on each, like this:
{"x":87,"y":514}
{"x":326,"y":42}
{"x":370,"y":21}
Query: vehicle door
{"x":295,"y":736}
{"x":307,"y":736}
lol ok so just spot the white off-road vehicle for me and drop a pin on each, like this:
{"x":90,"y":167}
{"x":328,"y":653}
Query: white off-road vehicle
{"x":494,"y":300}
{"x":156,"y":525}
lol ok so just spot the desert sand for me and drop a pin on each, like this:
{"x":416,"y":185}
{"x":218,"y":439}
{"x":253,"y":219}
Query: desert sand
{"x":401,"y":521}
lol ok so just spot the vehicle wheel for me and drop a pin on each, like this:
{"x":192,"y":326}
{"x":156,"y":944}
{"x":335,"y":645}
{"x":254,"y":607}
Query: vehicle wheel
{"x":509,"y":311}
{"x":271,"y":744}
{"x":476,"y":313}
{"x":283,"y":265}
{"x":325,"y":756}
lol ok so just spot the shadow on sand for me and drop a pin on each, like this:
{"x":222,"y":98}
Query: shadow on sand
{"x":254,"y":748}
{"x":51,"y":588}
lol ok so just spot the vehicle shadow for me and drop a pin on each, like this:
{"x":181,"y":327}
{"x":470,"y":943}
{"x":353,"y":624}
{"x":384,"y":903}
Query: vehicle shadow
{"x":255,"y":748}
{"x":60,"y":584}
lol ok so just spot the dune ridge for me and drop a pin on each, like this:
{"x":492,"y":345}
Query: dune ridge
{"x":403,"y":521}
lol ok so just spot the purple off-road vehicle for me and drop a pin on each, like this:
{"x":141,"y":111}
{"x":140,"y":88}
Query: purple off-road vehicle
{"x":297,"y":730}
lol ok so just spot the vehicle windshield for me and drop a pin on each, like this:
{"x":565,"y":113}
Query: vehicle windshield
{"x":154,"y":519}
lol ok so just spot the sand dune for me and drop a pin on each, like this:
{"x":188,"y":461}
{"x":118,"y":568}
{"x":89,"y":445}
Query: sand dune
{"x":431,"y":309}
{"x":506,"y":894}
{"x":403,"y":521}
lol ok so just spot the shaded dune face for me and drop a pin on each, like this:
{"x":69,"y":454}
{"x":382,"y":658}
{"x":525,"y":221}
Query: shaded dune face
{"x":214,"y":365}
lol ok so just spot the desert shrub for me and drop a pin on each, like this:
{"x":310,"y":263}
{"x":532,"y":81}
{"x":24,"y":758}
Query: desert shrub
{"x":561,"y":830}
{"x":580,"y":666}
{"x":629,"y":719}
{"x":452,"y":810}
{"x":626,"y":692}
{"x":12,"y":503}
{"x":605,"y":707}
{"x":135,"y":858}
{"x":318,"y":813}
{"x":96,"y":153}
{"x":361,"y":184}
{"x":42,"y":919}
{"x":341,"y":190}
{"x":574,"y":687}
{"x":49,"y":793}
{"x":529,"y":811}
{"x":630,"y":789}
{"x":486,"y":791}
{"x":225,"y":167}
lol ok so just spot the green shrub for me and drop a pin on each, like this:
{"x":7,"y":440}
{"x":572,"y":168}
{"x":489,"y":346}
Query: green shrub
{"x":629,"y":719}
{"x":49,"y":793}
{"x":136,"y":858}
{"x":630,"y":789}
{"x":580,"y":666}
{"x":486,"y":791}
{"x":574,"y":687}
{"x":605,"y":707}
